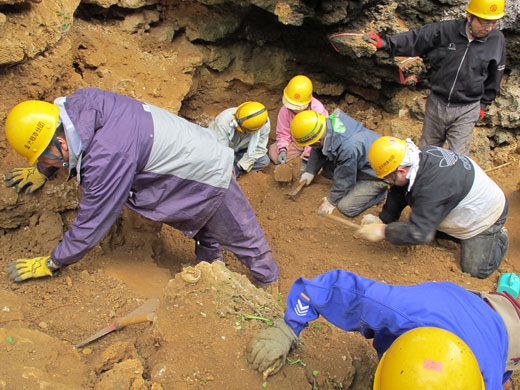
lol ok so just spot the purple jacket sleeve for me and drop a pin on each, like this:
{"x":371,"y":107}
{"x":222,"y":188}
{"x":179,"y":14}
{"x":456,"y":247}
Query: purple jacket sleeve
{"x":107,"y":177}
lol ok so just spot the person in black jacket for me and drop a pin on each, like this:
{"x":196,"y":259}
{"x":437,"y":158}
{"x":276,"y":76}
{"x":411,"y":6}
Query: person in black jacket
{"x":467,"y":59}
{"x":447,"y":193}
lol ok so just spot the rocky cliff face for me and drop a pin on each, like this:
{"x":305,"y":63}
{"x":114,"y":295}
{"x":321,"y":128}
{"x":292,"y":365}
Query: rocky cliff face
{"x":198,"y":57}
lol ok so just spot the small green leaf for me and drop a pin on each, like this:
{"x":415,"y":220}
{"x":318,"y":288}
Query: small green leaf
{"x":264,"y":384}
{"x":315,"y":373}
{"x":9,"y":339}
{"x":266,"y":320}
{"x":238,"y":327}
{"x":316,"y":325}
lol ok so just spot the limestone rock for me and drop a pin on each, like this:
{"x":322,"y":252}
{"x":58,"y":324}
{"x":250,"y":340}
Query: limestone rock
{"x":27,"y":34}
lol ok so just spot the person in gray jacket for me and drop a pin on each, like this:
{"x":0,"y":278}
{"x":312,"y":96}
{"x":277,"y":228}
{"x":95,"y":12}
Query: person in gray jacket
{"x":340,"y":147}
{"x":125,"y":152}
{"x":245,"y":129}
{"x":467,"y":59}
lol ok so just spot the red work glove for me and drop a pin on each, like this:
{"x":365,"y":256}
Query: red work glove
{"x":374,"y":39}
{"x":482,"y":113}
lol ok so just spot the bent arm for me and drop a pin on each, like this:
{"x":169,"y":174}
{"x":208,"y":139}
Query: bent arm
{"x":106,"y":185}
{"x":349,"y":301}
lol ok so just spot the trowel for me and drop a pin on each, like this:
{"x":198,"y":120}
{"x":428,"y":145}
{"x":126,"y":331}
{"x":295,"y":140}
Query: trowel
{"x":144,"y":313}
{"x":283,"y":173}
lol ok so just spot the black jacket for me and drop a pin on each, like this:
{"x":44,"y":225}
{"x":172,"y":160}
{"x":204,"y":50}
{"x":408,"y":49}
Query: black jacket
{"x":462,"y":72}
{"x":440,"y":185}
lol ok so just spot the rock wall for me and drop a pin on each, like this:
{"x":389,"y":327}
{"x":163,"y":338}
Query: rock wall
{"x":196,"y":57}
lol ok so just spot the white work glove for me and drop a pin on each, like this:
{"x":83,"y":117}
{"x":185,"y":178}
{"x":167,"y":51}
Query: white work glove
{"x":282,"y":157}
{"x":326,"y":207}
{"x":369,"y":219}
{"x":372,"y":232}
{"x":307,"y":178}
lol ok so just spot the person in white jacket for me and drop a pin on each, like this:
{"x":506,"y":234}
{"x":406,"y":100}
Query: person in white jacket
{"x":245,"y":129}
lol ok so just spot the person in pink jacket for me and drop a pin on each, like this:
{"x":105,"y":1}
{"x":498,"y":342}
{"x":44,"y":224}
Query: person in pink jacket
{"x":297,"y":97}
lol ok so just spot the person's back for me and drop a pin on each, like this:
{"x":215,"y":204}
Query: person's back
{"x":383,"y":312}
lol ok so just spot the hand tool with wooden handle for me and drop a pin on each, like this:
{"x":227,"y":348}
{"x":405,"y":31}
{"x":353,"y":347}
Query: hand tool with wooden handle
{"x":144,"y":313}
{"x":293,"y":194}
{"x":342,"y":220}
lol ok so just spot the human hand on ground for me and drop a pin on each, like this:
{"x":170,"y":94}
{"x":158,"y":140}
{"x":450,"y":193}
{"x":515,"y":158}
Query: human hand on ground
{"x":23,"y":269}
{"x":268,"y":350}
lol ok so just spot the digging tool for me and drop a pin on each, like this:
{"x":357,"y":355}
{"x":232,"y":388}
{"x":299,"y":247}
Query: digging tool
{"x":144,"y":313}
{"x":342,"y":220}
{"x":293,"y":194}
{"x":283,"y":173}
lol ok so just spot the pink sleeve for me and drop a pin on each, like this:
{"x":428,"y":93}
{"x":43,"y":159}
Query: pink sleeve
{"x":283,"y":128}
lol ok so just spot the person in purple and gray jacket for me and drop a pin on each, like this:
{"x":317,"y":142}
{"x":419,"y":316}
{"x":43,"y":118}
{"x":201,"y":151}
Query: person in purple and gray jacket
{"x":125,"y":152}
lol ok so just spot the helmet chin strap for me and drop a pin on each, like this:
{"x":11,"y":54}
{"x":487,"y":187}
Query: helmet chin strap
{"x":52,"y":156}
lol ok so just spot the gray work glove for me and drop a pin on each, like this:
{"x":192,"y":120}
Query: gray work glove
{"x":19,"y":178}
{"x":268,"y":350}
{"x":282,"y":157}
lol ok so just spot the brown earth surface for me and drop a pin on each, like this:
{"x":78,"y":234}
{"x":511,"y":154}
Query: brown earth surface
{"x":199,"y":337}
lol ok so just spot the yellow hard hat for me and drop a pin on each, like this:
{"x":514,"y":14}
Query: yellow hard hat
{"x":486,"y":9}
{"x":298,"y":93}
{"x":250,"y":117}
{"x":385,"y":155}
{"x":428,"y":359}
{"x":307,"y":127}
{"x":30,"y":126}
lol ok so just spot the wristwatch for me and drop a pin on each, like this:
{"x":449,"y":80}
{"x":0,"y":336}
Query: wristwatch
{"x":50,"y":265}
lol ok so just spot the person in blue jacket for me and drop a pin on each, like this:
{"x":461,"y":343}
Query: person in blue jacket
{"x":487,"y":323}
{"x":125,"y":152}
{"x":340,"y":146}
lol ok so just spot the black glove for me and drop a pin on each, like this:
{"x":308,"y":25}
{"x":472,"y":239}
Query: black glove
{"x":374,"y":39}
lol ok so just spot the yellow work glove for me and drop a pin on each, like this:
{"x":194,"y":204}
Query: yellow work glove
{"x":19,"y":178}
{"x":23,"y":269}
